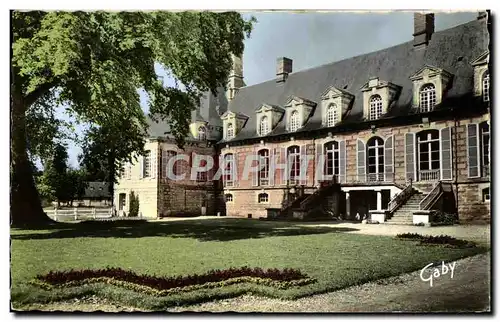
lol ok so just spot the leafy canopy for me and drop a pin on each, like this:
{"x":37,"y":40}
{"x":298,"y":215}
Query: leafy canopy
{"x":94,"y":62}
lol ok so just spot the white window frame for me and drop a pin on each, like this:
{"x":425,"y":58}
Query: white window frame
{"x":485,"y":145}
{"x":293,"y":159}
{"x":485,"y":85}
{"x":264,"y":199}
{"x":229,"y":131}
{"x":263,"y":125}
{"x":429,"y":140}
{"x":264,"y":172}
{"x":294,"y":121}
{"x":226,"y":199}
{"x":375,"y":107}
{"x":202,"y":133}
{"x":228,"y":178}
{"x":331,"y":115}
{"x":376,"y":144}
{"x":147,"y":165}
{"x":427,"y":97}
{"x":332,"y":148}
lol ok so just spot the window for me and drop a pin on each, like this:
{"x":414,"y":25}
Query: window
{"x":427,"y":98}
{"x":228,"y":170}
{"x":264,"y":170}
{"x":264,"y":126}
{"x":229,"y":131}
{"x":486,"y":194}
{"x":331,"y":115}
{"x":202,"y":133}
{"x":375,"y":107}
{"x":122,"y":201}
{"x":146,"y":165}
{"x":486,"y":86}
{"x":375,"y":154}
{"x":176,"y":167}
{"x":293,"y":157}
{"x":332,"y":153}
{"x":428,"y":155}
{"x":294,"y":121}
{"x":202,"y":176}
{"x":228,"y":197}
{"x":485,"y":147}
{"x":125,"y":171}
{"x":263,"y":197}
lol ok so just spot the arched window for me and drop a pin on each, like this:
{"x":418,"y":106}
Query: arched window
{"x":331,"y":115}
{"x":228,"y":177}
{"x":484,"y":127}
{"x":229,"y":131}
{"x":264,"y":167}
{"x":375,"y":107}
{"x":264,"y":126}
{"x":332,"y":153}
{"x":228,"y":197}
{"x":202,"y":133}
{"x":428,"y":155}
{"x":427,"y":98}
{"x":294,"y":121}
{"x":293,"y":157}
{"x":486,"y":86}
{"x":375,"y":155}
{"x":263,"y":197}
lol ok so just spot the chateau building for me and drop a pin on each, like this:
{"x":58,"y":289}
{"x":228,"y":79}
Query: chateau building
{"x":401,"y":130}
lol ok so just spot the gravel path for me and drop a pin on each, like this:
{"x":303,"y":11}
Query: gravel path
{"x":469,"y":290}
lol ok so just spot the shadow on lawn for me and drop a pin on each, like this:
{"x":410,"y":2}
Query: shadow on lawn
{"x":202,"y":230}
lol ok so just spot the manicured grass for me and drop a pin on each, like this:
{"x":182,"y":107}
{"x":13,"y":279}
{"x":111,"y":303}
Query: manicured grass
{"x":333,"y":257}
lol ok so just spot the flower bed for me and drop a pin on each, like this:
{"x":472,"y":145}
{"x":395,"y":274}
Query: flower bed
{"x":281,"y":279}
{"x":437,"y":240}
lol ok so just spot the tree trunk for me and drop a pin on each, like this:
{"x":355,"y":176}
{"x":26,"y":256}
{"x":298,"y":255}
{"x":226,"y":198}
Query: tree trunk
{"x":25,"y":205}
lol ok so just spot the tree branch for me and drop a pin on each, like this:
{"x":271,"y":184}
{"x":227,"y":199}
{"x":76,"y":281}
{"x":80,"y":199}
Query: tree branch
{"x":42,"y":89}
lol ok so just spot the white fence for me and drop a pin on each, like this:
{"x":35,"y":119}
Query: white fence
{"x":79,"y":213}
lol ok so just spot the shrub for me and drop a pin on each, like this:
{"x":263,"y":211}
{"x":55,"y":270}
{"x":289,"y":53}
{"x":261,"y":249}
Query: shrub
{"x":134,"y":205}
{"x":161,"y":285}
{"x":443,"y":218}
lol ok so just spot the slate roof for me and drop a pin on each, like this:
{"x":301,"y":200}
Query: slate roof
{"x":97,"y":190}
{"x":452,"y":50}
{"x":210,"y":108}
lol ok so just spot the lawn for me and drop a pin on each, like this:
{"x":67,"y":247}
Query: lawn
{"x":335,"y":258}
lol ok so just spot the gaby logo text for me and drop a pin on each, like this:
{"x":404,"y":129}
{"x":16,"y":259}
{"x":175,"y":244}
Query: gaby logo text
{"x":429,"y":275}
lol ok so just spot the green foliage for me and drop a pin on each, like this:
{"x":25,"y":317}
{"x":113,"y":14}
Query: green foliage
{"x":133,"y":205}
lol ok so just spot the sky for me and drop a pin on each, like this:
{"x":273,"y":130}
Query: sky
{"x":313,"y":39}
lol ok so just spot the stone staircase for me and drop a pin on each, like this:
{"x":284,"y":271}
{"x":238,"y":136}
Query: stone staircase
{"x":404,"y":214}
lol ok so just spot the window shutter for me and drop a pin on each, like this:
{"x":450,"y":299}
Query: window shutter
{"x":255,"y":175}
{"x":361,"y":161}
{"x":320,"y":166}
{"x":272,"y":160}
{"x":303,"y":166}
{"x":410,"y":156}
{"x":235,"y":170}
{"x":342,"y":162}
{"x":279,"y":173}
{"x":141,"y":163}
{"x":446,"y":155}
{"x":473,"y":150}
{"x":154,"y":162}
{"x":284,"y":173}
{"x":389,"y":158}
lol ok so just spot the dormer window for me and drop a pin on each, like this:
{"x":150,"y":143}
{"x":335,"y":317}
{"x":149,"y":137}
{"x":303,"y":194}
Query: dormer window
{"x":202,"y":133}
{"x":429,"y":87}
{"x":331,"y":115}
{"x":229,"y":131}
{"x":294,"y":121}
{"x":375,"y":107}
{"x":264,"y":126}
{"x":378,"y":95}
{"x":427,"y":98}
{"x":486,"y":86}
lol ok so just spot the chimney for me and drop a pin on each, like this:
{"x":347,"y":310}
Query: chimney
{"x":283,"y":68}
{"x":235,"y":79}
{"x":482,"y":15}
{"x":423,"y":29}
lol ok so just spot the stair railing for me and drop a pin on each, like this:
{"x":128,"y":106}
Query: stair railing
{"x":318,"y":192}
{"x":432,"y":197}
{"x":400,"y":198}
